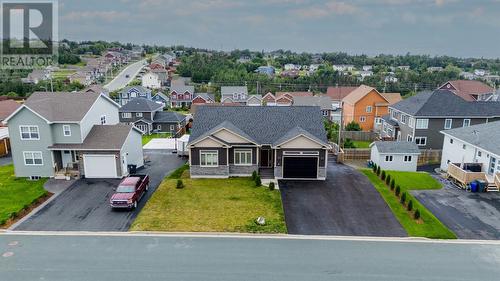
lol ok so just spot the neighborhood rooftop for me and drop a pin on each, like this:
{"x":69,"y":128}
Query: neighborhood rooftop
{"x":485,"y":136}
{"x":141,"y":105}
{"x":322,"y":101}
{"x":168,"y":116}
{"x":101,"y":137}
{"x":396,"y":147}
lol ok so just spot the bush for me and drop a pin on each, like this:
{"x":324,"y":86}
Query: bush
{"x":271,"y":186}
{"x":410,"y":205}
{"x":378,"y":171}
{"x":403,"y":198}
{"x":417,"y":214}
{"x":388,"y":180}
{"x":393,"y":184}
{"x":398,"y":190}
{"x":383,"y":175}
{"x":254,"y":175}
{"x":258,"y":182}
{"x":349,"y":144}
{"x":180,"y":184}
{"x":374,"y":168}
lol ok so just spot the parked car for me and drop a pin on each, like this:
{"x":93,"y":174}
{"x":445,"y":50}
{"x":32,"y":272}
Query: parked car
{"x":130,"y":191}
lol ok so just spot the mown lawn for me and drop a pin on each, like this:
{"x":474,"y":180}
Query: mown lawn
{"x":17,"y":193}
{"x":148,"y":138}
{"x":362,"y":144}
{"x":414,"y":181}
{"x":212,"y":205}
{"x":431,"y":227}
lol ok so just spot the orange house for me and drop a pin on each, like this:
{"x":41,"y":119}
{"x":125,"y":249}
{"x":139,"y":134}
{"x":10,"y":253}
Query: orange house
{"x":365,"y":104}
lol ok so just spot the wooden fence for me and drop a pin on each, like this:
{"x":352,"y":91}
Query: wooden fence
{"x":429,"y":156}
{"x":357,"y":154}
{"x":359,"y":136}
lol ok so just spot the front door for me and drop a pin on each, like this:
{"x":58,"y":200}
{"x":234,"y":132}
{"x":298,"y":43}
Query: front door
{"x":493,"y":163}
{"x":266,"y":158}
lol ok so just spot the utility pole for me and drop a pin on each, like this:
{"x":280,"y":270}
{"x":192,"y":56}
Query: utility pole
{"x":416,"y":88}
{"x":341,"y":123}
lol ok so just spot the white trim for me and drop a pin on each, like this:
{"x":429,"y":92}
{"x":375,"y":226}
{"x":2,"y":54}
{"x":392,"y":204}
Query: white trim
{"x":451,"y":123}
{"x":415,"y":140}
{"x":209,"y":152}
{"x":19,"y":109}
{"x":210,"y":137}
{"x":240,"y":150}
{"x":33,"y":154}
{"x":224,"y":128}
{"x":29,"y":131}
{"x":469,"y":123}
{"x":303,"y":156}
{"x":301,"y":135}
{"x":103,"y":156}
{"x":64,"y":130}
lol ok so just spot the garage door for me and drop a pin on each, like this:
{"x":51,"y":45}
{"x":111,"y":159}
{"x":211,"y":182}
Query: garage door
{"x":99,"y":166}
{"x":300,"y":167}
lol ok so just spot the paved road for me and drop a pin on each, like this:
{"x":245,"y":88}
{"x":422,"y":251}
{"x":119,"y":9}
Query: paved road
{"x":134,"y":258}
{"x":120,"y":81}
{"x":84,"y":205}
{"x":6,"y":160}
{"x":345,"y":204}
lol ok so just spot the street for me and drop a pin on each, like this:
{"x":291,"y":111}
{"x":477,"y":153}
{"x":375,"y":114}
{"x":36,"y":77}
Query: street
{"x":156,"y":257}
{"x":121,"y":80}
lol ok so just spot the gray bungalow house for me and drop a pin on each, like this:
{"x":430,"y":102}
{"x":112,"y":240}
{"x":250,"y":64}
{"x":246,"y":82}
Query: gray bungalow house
{"x":279,"y":142}
{"x":72,"y":135}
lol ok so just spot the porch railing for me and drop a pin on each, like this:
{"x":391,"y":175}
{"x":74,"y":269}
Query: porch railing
{"x":464,"y":177}
{"x":497,"y":180}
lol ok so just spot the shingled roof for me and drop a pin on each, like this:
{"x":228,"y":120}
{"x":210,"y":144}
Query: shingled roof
{"x":484,"y":136}
{"x":261,"y":124}
{"x":396,"y":147}
{"x":7,"y":107}
{"x":101,"y":137}
{"x":467,"y":89}
{"x":141,"y":105}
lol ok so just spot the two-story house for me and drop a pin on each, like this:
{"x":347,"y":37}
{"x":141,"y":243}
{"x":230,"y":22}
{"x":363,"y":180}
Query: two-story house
{"x":149,"y":117}
{"x":234,"y":94}
{"x":469,"y":90}
{"x":422,"y":117}
{"x":72,"y":134}
{"x":132,"y":92}
{"x":181,"y":96}
{"x":203,"y":98}
{"x":323,"y":102}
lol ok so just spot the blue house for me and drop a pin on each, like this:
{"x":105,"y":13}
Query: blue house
{"x":132,"y":92}
{"x":161,"y":98}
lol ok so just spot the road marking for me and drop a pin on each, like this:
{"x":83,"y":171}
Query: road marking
{"x":8,"y":254}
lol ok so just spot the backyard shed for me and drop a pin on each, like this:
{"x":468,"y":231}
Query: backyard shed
{"x":395,"y":155}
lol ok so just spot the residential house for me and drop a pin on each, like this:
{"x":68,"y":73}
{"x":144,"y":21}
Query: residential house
{"x":467,"y":75}
{"x":363,"y":74}
{"x":404,"y":67}
{"x":72,"y":134}
{"x":420,"y":118}
{"x":290,"y":73}
{"x":82,"y":77}
{"x":162,"y":75}
{"x":395,"y":155}
{"x":254,"y":100}
{"x":149,"y":117}
{"x":4,"y":141}
{"x":161,"y":98}
{"x":337,"y":94}
{"x":181,"y":96}
{"x":132,"y":92}
{"x":287,"y":98}
{"x":36,"y":76}
{"x":234,"y":94}
{"x":367,"y":67}
{"x":435,"y":69}
{"x":480,"y":72}
{"x":323,"y":102}
{"x":469,"y":90}
{"x":363,"y":106}
{"x":285,"y":143}
{"x":267,"y":70}
{"x":7,"y":107}
{"x":291,"y":66}
{"x":269,"y":99}
{"x":391,"y":78}
{"x":96,"y":89}
{"x":343,"y":67}
{"x":313,"y":68}
{"x":151,"y":80}
{"x":203,"y":98}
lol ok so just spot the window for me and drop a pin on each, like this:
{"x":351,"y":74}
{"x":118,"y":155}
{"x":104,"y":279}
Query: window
{"x":369,"y":109}
{"x":172,"y":127}
{"x":325,"y":112}
{"x":158,"y":127}
{"x":407,"y":158}
{"x":103,"y":120}
{"x":422,"y":123}
{"x":362,"y":119}
{"x":466,"y":122}
{"x":479,"y":154}
{"x":409,"y":138}
{"x":388,"y":158}
{"x":67,"y":130}
{"x":411,"y":122}
{"x":421,"y":141}
{"x":448,"y":123}
{"x":126,"y":115}
{"x":404,"y":118}
{"x":209,"y":158}
{"x":133,"y":94}
{"x":394,"y":115}
{"x":242,"y":157}
{"x":29,"y":133}
{"x":378,"y":121}
{"x":451,"y":141}
{"x":138,"y":114}
{"x":33,"y":158}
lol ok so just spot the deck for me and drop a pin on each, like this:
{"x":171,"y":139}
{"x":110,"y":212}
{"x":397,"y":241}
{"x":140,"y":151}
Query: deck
{"x":464,"y":174}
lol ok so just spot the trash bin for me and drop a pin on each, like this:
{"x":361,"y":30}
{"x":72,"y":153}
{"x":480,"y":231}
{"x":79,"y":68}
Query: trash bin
{"x":481,"y":186}
{"x":132,"y":169}
{"x":474,"y":186}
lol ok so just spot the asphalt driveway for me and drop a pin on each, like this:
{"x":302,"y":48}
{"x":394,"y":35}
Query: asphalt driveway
{"x":6,"y":160}
{"x":469,"y":215}
{"x":345,"y":204}
{"x":84,"y":205}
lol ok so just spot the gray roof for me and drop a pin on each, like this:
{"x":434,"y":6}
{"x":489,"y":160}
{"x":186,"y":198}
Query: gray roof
{"x":101,"y":137}
{"x":387,"y":118}
{"x":139,"y":88}
{"x":486,"y":136}
{"x":61,"y":106}
{"x":162,"y":95}
{"x":443,"y":103}
{"x":229,"y":90}
{"x":141,"y":105}
{"x":205,"y":96}
{"x":260,"y":124}
{"x":322,"y":101}
{"x":168,"y":117}
{"x":396,"y":147}
{"x":181,"y":89}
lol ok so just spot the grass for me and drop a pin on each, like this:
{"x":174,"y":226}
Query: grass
{"x":211,"y":205}
{"x":17,"y":193}
{"x":414,"y":181}
{"x":179,"y":173}
{"x":431,"y":227}
{"x":62,"y":73}
{"x":148,"y":138}
{"x":362,"y":144}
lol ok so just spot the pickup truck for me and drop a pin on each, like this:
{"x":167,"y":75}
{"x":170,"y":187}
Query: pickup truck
{"x":130,"y":190}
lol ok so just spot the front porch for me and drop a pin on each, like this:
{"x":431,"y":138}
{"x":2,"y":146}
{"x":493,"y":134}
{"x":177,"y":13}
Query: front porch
{"x":66,"y":164}
{"x":466,"y":173}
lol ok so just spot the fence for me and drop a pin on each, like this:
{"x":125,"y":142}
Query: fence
{"x":359,"y":136}
{"x":356,"y":154}
{"x":430,"y":156}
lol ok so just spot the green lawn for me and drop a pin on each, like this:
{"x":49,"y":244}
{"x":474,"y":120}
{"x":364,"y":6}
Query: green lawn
{"x":414,"y":181}
{"x":147,"y":138}
{"x":212,"y":205}
{"x":362,"y":144}
{"x":431,"y":226}
{"x":62,"y":73}
{"x":17,"y":193}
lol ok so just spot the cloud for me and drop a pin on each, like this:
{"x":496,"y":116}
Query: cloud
{"x":328,"y":9}
{"x":108,"y":16}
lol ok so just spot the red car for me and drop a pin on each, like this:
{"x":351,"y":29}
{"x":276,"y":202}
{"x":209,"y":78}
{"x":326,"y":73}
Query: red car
{"x":130,"y":191}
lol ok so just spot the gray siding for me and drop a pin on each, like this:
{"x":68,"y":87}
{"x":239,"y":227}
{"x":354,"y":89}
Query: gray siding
{"x":134,"y":118}
{"x":59,"y":137}
{"x":322,"y":155}
{"x":93,"y":117}
{"x":254,"y":154}
{"x":195,"y":155}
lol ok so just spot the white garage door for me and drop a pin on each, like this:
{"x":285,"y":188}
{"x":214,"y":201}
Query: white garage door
{"x":99,"y":166}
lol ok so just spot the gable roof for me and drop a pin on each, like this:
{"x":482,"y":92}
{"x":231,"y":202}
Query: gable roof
{"x":205,"y":96}
{"x":181,"y":89}
{"x":338,"y":93}
{"x":443,"y":103}
{"x":162,"y":96}
{"x":396,"y":147}
{"x":322,"y":101}
{"x":137,"y":88}
{"x":229,"y":90}
{"x":467,"y":88}
{"x":484,"y":136}
{"x":168,"y":117}
{"x":294,"y":94}
{"x":141,"y":105}
{"x":97,"y":89}
{"x":392,"y":98}
{"x":7,"y":107}
{"x":359,"y":93}
{"x":262,"y":124}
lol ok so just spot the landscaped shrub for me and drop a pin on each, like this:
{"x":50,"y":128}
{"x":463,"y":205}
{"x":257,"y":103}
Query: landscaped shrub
{"x":417,"y":214}
{"x":271,"y":186}
{"x":180,"y":184}
{"x":403,"y":198}
{"x":388,"y":179}
{"x":393,"y":184}
{"x":383,"y":175}
{"x":254,"y":175}
{"x":410,"y":205}
{"x":378,"y":171}
{"x":258,"y":182}
{"x":398,"y":190}
{"x":374,"y":168}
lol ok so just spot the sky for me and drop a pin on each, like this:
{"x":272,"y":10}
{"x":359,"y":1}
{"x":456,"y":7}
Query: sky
{"x":462,"y":28}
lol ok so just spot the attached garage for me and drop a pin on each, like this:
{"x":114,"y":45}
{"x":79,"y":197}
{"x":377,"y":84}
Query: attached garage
{"x":295,"y":167}
{"x":100,"y":166}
